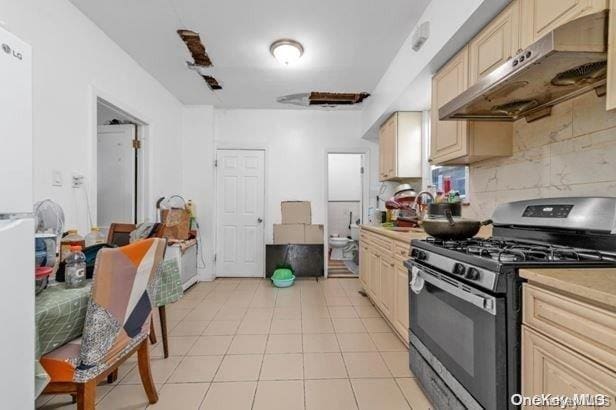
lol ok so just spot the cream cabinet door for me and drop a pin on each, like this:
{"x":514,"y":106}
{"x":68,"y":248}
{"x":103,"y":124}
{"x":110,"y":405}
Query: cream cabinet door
{"x":363,"y":266}
{"x":539,"y":17}
{"x":401,"y":301}
{"x":550,"y":368}
{"x":387,"y":148}
{"x":374,"y":277}
{"x":449,"y":138}
{"x":387,"y":296}
{"x":495,"y":44}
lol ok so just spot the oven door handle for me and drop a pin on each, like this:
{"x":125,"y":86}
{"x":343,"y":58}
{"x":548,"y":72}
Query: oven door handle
{"x":419,"y":276}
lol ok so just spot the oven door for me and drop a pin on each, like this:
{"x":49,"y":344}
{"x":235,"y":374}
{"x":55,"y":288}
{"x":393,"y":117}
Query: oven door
{"x":464,"y":329}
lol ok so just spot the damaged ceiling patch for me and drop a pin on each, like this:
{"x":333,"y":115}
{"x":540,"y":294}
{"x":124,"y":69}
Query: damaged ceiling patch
{"x":196,"y":47}
{"x":324,"y":99}
{"x":201,"y":60}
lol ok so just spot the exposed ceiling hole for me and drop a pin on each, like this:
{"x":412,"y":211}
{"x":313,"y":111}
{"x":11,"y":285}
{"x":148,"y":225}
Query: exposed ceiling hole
{"x":318,"y":98}
{"x":196,"y":47}
{"x":201,"y":59}
{"x":212,"y":82}
{"x":323,"y":99}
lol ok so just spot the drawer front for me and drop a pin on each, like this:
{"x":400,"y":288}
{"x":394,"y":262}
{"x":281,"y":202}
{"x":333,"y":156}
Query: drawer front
{"x":583,"y":327}
{"x":401,"y":250}
{"x":385,"y":244}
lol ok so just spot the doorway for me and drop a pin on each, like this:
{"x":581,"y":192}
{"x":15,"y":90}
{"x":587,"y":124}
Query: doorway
{"x":119,"y":166}
{"x":240,"y":205}
{"x":345,"y":186}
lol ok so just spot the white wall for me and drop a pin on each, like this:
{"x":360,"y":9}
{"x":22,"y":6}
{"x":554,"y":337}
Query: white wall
{"x":296,"y":142}
{"x":344,"y":177}
{"x":72,"y":58}
{"x":198,"y":181}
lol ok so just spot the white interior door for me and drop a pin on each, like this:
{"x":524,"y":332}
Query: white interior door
{"x":240,"y":202}
{"x":116,"y":176}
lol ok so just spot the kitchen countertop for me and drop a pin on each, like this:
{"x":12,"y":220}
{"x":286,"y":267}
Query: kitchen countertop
{"x":596,"y":284}
{"x":414,"y":233}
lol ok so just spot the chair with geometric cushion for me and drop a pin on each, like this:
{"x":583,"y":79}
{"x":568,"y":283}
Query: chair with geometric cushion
{"x":116,"y":326}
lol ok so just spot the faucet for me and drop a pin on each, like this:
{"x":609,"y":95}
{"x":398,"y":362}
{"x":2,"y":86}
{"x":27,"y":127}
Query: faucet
{"x":417,"y":204}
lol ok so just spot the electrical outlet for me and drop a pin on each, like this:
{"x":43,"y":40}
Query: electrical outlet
{"x":56,"y":178}
{"x":77,"y":180}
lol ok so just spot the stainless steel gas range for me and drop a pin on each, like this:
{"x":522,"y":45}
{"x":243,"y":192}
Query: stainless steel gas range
{"x":465,"y":296}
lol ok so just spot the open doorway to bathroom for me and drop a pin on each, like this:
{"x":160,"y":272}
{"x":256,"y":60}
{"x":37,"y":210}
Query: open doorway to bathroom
{"x":345,"y":173}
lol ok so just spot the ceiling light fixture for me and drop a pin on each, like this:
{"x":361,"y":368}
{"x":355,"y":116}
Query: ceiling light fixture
{"x":287,"y":51}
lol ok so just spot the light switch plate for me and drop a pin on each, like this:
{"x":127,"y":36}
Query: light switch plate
{"x":77,"y":180}
{"x":56,"y":178}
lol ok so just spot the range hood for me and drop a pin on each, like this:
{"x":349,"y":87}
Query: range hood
{"x":564,"y":63}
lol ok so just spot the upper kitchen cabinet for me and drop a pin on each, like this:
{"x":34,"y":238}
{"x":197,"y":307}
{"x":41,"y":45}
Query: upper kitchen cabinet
{"x":539,"y":17}
{"x":496,"y":43}
{"x":400,"y":146}
{"x":462,"y":142}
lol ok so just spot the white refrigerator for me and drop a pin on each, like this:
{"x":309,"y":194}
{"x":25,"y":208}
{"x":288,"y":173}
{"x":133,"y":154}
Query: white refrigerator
{"x":16,"y":224}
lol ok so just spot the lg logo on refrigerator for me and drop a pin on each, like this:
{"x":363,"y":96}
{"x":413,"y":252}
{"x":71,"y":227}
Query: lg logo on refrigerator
{"x":7,"y":49}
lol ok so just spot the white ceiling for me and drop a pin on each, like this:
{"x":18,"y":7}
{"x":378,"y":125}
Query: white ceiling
{"x":348,"y":43}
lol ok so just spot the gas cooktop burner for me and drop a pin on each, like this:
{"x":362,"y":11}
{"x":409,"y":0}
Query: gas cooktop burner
{"x":512,"y":251}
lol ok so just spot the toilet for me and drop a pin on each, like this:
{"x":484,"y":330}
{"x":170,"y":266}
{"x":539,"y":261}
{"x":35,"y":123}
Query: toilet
{"x":337,"y":245}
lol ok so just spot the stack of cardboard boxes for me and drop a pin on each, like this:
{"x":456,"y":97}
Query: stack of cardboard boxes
{"x":296,"y":227}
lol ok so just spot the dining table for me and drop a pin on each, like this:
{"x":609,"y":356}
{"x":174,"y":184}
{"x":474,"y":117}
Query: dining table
{"x":60,"y":312}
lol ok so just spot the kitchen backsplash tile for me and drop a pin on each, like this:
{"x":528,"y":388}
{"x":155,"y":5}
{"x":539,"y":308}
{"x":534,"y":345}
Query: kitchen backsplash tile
{"x":572,"y":152}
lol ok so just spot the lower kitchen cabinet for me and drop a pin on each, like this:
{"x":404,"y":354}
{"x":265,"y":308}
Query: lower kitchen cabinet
{"x":401,"y":300}
{"x":568,"y":345}
{"x":363,"y":266}
{"x":385,"y":278}
{"x":374,"y":283}
{"x":550,"y":368}
{"x":388,"y":292}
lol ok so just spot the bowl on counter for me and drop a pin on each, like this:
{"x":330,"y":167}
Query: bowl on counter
{"x":41,"y":278}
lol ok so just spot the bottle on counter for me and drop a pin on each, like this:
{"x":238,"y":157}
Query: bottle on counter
{"x":75,"y":271}
{"x":447,"y":184}
{"x":94,"y":237}
{"x":72,"y":239}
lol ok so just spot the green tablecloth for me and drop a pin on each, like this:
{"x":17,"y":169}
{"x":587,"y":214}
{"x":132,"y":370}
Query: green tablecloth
{"x":60,"y":312}
{"x":59,"y":317}
{"x":169,"y":283}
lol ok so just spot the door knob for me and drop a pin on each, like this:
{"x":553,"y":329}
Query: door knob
{"x":259,"y":220}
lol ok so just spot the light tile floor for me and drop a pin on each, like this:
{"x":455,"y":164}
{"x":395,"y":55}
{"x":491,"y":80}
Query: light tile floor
{"x":242,"y":344}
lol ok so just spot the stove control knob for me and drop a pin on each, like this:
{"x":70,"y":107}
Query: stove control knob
{"x":421,"y":255}
{"x":472,"y":274}
{"x":459,"y":269}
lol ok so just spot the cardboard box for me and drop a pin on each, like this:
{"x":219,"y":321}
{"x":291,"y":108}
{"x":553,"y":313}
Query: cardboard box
{"x":288,"y":233}
{"x":296,"y":212}
{"x":314,"y":234}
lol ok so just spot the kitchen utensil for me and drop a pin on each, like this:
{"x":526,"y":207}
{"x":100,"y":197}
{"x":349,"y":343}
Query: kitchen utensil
{"x":403,"y":188}
{"x":439,"y":209}
{"x":405,"y":194}
{"x":405,"y":222}
{"x":449,"y":227}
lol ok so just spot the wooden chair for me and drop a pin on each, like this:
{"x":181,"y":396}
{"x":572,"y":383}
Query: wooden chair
{"x":119,"y":233}
{"x":115,"y":327}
